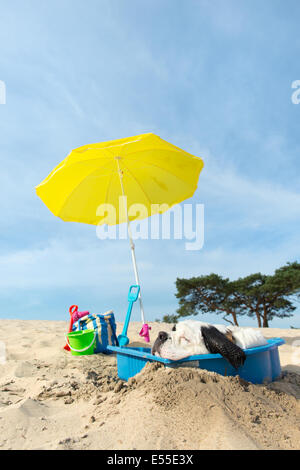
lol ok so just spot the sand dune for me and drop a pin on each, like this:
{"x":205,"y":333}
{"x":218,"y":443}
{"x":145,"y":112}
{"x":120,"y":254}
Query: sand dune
{"x":50,"y":399}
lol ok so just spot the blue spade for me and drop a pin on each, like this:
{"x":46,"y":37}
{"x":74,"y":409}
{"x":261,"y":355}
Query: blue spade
{"x":133,"y":294}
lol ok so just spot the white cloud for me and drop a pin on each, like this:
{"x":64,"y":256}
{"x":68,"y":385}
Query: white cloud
{"x":259,"y":203}
{"x":63,"y":263}
{"x":254,"y":203}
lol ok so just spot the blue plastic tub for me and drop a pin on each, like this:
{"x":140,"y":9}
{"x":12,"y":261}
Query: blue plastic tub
{"x":262,"y":363}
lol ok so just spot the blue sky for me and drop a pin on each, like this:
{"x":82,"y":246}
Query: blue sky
{"x":211,"y":76}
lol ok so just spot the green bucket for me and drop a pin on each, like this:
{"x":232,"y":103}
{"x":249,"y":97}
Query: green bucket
{"x":82,"y":343}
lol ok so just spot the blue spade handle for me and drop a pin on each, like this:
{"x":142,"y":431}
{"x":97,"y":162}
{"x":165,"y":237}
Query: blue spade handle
{"x":133,"y":295}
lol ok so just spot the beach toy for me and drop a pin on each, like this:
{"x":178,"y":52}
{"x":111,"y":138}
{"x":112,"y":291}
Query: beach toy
{"x":145,"y":332}
{"x":82,"y":342}
{"x":262,"y":363}
{"x":132,"y":297}
{"x":75,"y":315}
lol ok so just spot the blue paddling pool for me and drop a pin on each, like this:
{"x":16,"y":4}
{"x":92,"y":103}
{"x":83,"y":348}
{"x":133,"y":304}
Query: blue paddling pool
{"x":262,"y":363}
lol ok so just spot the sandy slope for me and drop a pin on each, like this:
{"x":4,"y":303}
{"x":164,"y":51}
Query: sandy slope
{"x":52,"y":400}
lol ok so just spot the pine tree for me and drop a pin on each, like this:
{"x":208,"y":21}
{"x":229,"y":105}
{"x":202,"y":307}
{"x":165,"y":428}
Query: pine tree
{"x":258,"y":295}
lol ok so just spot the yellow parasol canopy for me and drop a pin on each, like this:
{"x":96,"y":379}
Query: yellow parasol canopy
{"x":154,"y":173}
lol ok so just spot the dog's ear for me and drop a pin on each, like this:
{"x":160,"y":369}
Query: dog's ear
{"x":174,"y":328}
{"x":163,"y":336}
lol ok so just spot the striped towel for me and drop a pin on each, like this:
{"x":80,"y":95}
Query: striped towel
{"x":105,"y":327}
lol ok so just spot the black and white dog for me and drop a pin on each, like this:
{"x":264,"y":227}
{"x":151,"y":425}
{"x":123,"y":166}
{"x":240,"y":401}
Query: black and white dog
{"x":194,"y":337}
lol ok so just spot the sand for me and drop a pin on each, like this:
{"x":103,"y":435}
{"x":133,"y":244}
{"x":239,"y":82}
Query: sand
{"x":50,"y":399}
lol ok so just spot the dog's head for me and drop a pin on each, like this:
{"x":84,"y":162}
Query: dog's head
{"x":160,"y":340}
{"x":170,"y":345}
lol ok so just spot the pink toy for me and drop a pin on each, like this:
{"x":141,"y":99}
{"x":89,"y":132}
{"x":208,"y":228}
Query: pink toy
{"x":78,"y":315}
{"x":145,"y":332}
{"x":75,"y":315}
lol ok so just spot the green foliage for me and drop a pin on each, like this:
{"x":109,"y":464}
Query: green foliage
{"x":207,"y":294}
{"x":170,"y":318}
{"x":258,"y":295}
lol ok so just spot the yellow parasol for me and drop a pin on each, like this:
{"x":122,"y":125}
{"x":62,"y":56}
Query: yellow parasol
{"x":144,"y":168}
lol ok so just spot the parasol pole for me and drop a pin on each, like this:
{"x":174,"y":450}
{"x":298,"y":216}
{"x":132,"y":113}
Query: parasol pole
{"x":136,"y":274}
